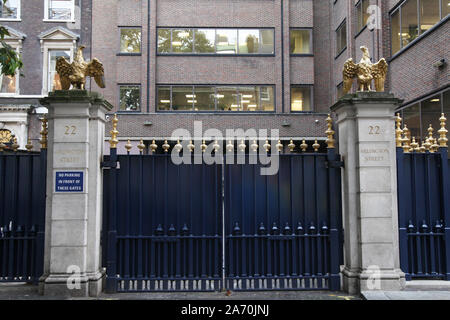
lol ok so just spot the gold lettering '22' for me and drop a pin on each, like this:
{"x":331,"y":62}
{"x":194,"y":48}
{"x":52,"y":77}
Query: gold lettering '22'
{"x":70,"y":130}
{"x":374,"y":130}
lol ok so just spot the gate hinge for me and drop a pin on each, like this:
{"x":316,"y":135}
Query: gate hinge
{"x":335,"y":164}
{"x":110,"y":164}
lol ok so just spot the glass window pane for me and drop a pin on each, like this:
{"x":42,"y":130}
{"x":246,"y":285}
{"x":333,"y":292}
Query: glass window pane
{"x":340,"y":90}
{"x":182,"y":40}
{"x":300,"y":99}
{"x":60,"y":9}
{"x":227,"y":99}
{"x":359,"y":15}
{"x":344,"y":36}
{"x":445,"y":8}
{"x":365,"y":6}
{"x":182,"y":98}
{"x":409,"y":22}
{"x":431,"y":112}
{"x":248,"y":41}
{"x":163,"y":98}
{"x":300,"y":41}
{"x":226,"y":41}
{"x":395,"y":31}
{"x":8,"y":10}
{"x":248,"y":98}
{"x":130,"y":40}
{"x":164,"y":40}
{"x":267,"y":99}
{"x":54,"y":82}
{"x":429,"y":14}
{"x":7,"y":84}
{"x":267,"y":43}
{"x":204,"y":40}
{"x":130,"y":98}
{"x":447,"y":104}
{"x":204,"y":99}
{"x":411,"y":117}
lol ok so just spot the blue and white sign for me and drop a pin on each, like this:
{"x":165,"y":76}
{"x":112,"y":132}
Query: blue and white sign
{"x":69,"y":181}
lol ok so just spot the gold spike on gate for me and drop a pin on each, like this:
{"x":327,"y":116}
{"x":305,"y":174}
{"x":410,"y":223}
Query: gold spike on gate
{"x":242,"y":146}
{"x":414,"y":145}
{"x":166,"y":146}
{"x":191,"y":146}
{"x":267,"y":146}
{"x":279,"y":146}
{"x":422,"y":147}
{"x":44,"y":133}
{"x":128,"y":146}
{"x":443,"y":132}
{"x":216,"y":146}
{"x":230,"y":146}
{"x":153,"y":146}
{"x":178,"y":147}
{"x":406,"y":140}
{"x":15,"y":146}
{"x":304,"y":146}
{"x":203,"y":146}
{"x":114,"y":133}
{"x":398,"y":131}
{"x":316,"y":146}
{"x":29,"y":145}
{"x":141,"y":146}
{"x":330,"y":133}
{"x":291,"y":146}
{"x":435,"y":146}
{"x":254,"y":146}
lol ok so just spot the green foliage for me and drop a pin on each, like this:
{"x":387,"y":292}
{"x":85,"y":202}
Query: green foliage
{"x":10,"y":60}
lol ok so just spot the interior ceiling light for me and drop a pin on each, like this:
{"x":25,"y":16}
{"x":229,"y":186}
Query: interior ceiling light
{"x":165,"y":101}
{"x":191,"y":96}
{"x":176,"y":43}
{"x":435,"y":100}
{"x":247,"y":96}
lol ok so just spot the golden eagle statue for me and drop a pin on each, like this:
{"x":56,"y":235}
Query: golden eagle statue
{"x":75,"y":73}
{"x":365,"y":71}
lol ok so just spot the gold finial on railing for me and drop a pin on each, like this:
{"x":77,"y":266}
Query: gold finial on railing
{"x":216,"y":146}
{"x":304,"y":146}
{"x":230,"y":146}
{"x":435,"y":146}
{"x":2,"y":146}
{"x":267,"y":146}
{"x":427,"y":144}
{"x":443,"y":132}
{"x":254,"y":146}
{"x":279,"y":146}
{"x":203,"y":146}
{"x":398,"y":131}
{"x":191,"y":146}
{"x":242,"y":146}
{"x":414,"y":144}
{"x":114,"y":133}
{"x":422,"y":147}
{"x":316,"y":146}
{"x":178,"y":147}
{"x":166,"y":146}
{"x":430,"y":139}
{"x":153,"y":146}
{"x":15,"y":146}
{"x":141,"y":146}
{"x":406,"y":139}
{"x":291,"y":146}
{"x":330,"y":133}
{"x":29,"y":145}
{"x":44,"y":133}
{"x":128,"y":146}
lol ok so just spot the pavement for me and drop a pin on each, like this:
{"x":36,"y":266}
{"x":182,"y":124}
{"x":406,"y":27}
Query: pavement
{"x":414,"y":290}
{"x":22,"y":291}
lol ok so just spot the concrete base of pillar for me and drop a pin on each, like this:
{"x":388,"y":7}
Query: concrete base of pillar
{"x":86,"y":285}
{"x":355,"y":281}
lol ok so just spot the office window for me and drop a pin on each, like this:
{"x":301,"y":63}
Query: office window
{"x":129,"y":98}
{"x":54,"y":82}
{"x":431,"y":112}
{"x":182,"y":98}
{"x":10,"y":9}
{"x":215,"y":98}
{"x":215,"y":41}
{"x":8,"y":84}
{"x":226,"y":41}
{"x":182,"y":41}
{"x":204,"y":98}
{"x":361,"y":12}
{"x":340,"y":90}
{"x":446,"y":102}
{"x":300,"y":41}
{"x":163,"y":96}
{"x":60,"y":9}
{"x":411,"y":116}
{"x":130,"y":40}
{"x":413,"y":18}
{"x":205,"y":40}
{"x":341,"y":37}
{"x":301,"y":98}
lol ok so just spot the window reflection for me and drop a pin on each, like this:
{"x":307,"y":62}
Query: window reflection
{"x":226,"y":41}
{"x":301,"y":98}
{"x":163,"y":98}
{"x":164,"y":40}
{"x":410,"y":28}
{"x":429,"y":14}
{"x":204,"y":99}
{"x":7,"y":84}
{"x":182,"y":98}
{"x":60,"y":9}
{"x":54,"y":82}
{"x":204,"y":40}
{"x":130,"y":40}
{"x":248,"y":41}
{"x":182,"y":40}
{"x":248,"y":98}
{"x":8,"y":10}
{"x":130,"y":98}
{"x":227,"y":99}
{"x":300,"y":41}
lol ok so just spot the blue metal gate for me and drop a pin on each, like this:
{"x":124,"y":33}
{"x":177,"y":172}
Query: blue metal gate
{"x":424,"y":206}
{"x":22,"y":215}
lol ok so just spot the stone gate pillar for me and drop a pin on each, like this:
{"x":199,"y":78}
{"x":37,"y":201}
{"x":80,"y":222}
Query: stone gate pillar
{"x":366,"y":127}
{"x":72,"y":264}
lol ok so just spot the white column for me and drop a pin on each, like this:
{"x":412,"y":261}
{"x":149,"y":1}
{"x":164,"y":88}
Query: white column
{"x":366,"y":124}
{"x":74,"y":199}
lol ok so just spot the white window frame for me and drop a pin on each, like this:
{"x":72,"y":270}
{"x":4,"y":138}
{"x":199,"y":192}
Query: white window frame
{"x":18,"y":14}
{"x":47,"y":19}
{"x":46,"y":47}
{"x":17,"y":45}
